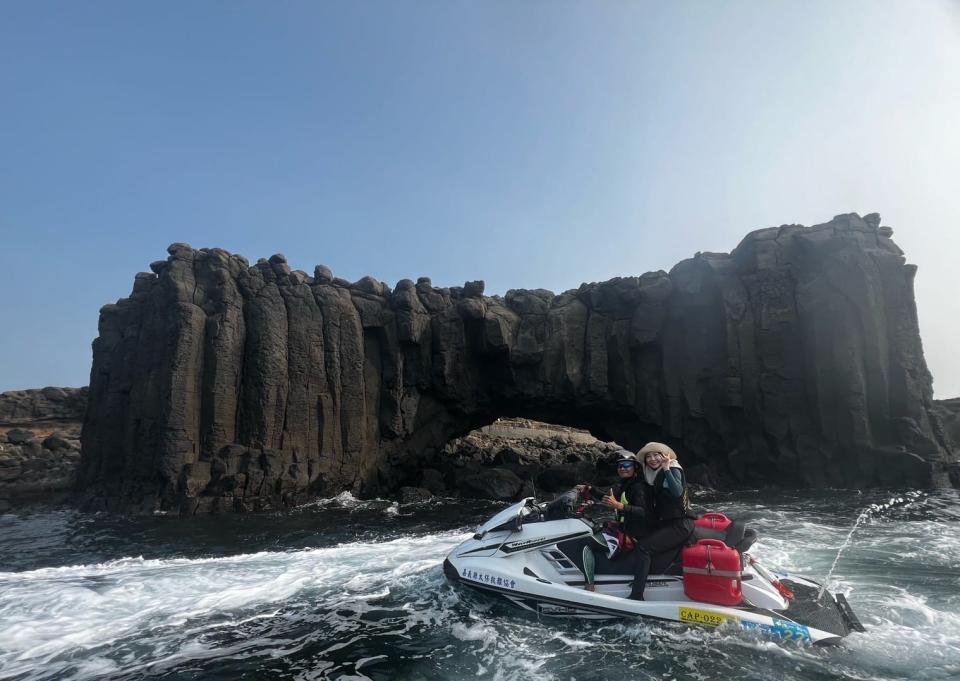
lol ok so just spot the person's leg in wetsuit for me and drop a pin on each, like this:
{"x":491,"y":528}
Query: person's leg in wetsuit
{"x":667,"y":537}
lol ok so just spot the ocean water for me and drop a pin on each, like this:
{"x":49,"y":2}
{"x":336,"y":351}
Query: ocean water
{"x":344,"y":589}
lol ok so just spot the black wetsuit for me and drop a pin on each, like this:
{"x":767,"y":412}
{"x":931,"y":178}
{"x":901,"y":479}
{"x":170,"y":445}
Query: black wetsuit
{"x":632,"y":492}
{"x":671,"y":525}
{"x":633,"y":518}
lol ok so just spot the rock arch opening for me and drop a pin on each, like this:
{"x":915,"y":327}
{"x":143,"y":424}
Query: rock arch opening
{"x":539,"y":451}
{"x":512,"y":458}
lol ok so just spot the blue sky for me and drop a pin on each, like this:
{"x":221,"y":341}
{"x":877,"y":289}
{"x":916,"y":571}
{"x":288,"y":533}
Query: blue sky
{"x":529,"y":144}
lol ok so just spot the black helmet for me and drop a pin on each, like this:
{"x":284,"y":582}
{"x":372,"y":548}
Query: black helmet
{"x":624,"y":455}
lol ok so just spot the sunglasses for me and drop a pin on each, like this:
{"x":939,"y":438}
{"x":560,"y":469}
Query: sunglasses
{"x":625,"y":464}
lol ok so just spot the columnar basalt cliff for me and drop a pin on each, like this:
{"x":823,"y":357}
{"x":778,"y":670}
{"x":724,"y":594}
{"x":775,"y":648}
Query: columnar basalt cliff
{"x":796,"y":360}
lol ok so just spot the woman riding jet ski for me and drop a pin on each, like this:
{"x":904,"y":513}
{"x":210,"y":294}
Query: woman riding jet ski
{"x":533,"y":555}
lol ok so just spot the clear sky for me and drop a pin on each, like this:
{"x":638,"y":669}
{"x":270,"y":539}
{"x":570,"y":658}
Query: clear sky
{"x":529,"y":144}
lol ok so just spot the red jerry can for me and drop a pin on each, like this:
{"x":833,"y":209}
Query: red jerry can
{"x":712,"y":573}
{"x":713,"y":521}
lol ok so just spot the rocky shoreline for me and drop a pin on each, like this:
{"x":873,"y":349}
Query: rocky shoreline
{"x":507,"y":460}
{"x":40,"y":444}
{"x":515,"y":458}
{"x":40,"y":456}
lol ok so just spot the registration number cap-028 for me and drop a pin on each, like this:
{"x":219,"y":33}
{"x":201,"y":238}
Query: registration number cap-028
{"x":697,"y":616}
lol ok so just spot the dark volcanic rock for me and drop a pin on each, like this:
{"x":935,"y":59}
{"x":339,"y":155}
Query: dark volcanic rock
{"x":24,"y":407}
{"x":490,"y":483}
{"x":414,"y":495}
{"x":432,"y":480}
{"x":39,"y":444}
{"x":794,"y":360}
{"x":948,"y":412}
{"x":19,"y":436}
{"x":543,"y":457}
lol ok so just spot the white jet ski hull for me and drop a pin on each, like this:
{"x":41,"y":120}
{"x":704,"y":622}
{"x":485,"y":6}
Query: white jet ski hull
{"x":534,"y":566}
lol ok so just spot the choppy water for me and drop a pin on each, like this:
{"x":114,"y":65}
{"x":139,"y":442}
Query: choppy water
{"x":355,"y":590}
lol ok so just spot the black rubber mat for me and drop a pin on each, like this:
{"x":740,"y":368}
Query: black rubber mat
{"x":822,"y":613}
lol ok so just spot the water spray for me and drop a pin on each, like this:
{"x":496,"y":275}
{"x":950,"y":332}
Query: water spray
{"x":866,"y":515}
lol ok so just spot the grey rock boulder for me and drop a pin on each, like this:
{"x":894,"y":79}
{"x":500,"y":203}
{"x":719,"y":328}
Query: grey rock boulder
{"x":19,"y":436}
{"x":57,"y":443}
{"x":414,"y":495}
{"x":490,"y":483}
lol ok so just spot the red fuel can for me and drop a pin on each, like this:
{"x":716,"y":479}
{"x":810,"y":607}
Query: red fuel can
{"x":712,"y":573}
{"x":713,"y":521}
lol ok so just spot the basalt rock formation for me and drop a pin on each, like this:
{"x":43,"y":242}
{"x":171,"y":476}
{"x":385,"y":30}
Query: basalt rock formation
{"x":26,"y":407}
{"x":39,"y":444}
{"x":515,"y":458}
{"x":794,"y":360}
{"x":949,"y":413}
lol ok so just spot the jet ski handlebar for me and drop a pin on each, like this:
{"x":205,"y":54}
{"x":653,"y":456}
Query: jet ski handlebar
{"x":571,"y":504}
{"x":528,"y":510}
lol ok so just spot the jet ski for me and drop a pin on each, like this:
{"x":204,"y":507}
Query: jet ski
{"x":544,"y":558}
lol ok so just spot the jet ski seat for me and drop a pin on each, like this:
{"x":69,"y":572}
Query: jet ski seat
{"x":737,"y":535}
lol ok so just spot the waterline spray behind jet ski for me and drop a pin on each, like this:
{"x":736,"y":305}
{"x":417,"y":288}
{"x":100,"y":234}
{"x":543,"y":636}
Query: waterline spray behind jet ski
{"x":865,"y":516}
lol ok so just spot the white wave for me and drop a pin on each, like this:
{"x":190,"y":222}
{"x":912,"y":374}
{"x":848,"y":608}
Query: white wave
{"x":337,"y":610}
{"x":343,"y":500}
{"x":346,"y":500}
{"x":486,"y":634}
{"x":46,"y":613}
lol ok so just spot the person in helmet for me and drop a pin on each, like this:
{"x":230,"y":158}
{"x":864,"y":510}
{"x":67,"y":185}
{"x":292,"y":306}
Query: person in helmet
{"x":629,"y":501}
{"x":670,"y":516}
{"x":629,"y":498}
